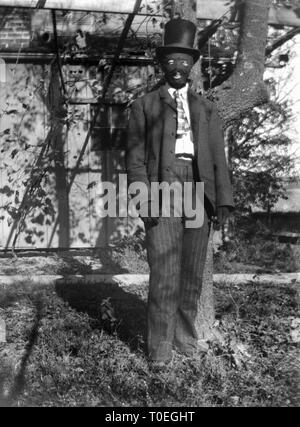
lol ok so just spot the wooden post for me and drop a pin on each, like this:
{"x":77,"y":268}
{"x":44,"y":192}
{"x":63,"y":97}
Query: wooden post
{"x":2,"y":105}
{"x":108,"y":176}
{"x":2,"y":86}
{"x":58,"y":141}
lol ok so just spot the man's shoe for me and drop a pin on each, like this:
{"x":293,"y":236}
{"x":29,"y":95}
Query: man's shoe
{"x":203,"y":346}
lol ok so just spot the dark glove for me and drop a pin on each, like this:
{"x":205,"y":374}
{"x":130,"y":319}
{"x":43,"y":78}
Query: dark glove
{"x":148,"y":220}
{"x":223,"y":214}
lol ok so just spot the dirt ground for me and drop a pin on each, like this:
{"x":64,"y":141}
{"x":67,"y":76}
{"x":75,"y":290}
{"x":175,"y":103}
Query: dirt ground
{"x":106,"y":261}
{"x":127,"y":259}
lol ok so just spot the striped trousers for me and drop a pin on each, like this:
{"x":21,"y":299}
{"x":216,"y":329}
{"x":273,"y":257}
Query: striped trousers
{"x":176,"y":256}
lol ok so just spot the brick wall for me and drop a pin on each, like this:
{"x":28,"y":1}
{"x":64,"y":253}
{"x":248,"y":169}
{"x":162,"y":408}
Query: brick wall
{"x":23,"y":29}
{"x":15,"y":29}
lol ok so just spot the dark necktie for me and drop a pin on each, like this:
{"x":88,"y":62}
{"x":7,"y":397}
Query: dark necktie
{"x":183,"y":126}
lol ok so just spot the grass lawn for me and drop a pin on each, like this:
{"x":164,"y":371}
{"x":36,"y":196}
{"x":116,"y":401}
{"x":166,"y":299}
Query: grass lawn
{"x":74,"y":346}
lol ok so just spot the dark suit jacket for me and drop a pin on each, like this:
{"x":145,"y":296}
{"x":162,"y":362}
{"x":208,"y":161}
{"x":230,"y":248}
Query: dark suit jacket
{"x":152,"y":137}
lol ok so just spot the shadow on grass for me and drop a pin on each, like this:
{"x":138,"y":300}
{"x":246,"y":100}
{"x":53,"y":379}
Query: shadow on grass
{"x":128,"y":309}
{"x":19,"y":380}
{"x":104,"y":257}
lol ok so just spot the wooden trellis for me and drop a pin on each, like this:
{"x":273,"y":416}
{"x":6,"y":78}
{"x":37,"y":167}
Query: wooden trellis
{"x":17,"y":225}
{"x":108,"y":6}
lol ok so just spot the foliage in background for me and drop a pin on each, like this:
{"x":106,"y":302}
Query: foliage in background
{"x":260,"y":156}
{"x":253,"y":249}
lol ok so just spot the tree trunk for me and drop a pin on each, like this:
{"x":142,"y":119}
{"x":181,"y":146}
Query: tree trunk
{"x":243,"y":91}
{"x":206,"y":310}
{"x":246,"y":89}
{"x":206,"y":307}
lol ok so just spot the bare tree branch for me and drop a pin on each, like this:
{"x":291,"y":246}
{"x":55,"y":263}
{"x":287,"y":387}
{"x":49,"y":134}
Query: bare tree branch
{"x":282,"y":40}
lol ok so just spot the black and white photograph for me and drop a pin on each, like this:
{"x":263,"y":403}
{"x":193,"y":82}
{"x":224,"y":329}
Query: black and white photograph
{"x":150,"y":206}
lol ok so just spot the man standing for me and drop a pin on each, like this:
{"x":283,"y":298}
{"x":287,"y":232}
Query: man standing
{"x":176,"y":135}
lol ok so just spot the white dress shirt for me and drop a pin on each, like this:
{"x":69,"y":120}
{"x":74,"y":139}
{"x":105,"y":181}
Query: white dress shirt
{"x":185,"y":143}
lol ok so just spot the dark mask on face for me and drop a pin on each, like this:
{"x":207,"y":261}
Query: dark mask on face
{"x":177,"y":68}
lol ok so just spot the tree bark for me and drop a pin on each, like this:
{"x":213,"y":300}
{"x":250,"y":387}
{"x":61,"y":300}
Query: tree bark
{"x":244,"y":90}
{"x":206,"y":310}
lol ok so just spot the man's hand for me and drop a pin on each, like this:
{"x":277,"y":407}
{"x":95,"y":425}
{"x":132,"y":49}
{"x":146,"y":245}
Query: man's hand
{"x":223,"y":214}
{"x":146,"y":217}
{"x":150,"y":222}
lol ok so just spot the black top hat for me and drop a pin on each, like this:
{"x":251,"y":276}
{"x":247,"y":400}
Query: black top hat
{"x":179,"y":37}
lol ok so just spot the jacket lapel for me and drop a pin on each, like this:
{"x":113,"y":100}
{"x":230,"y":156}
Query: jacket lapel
{"x":167,"y":98}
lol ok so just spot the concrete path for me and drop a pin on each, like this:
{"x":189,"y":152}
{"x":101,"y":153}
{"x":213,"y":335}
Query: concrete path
{"x":126,"y":280}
